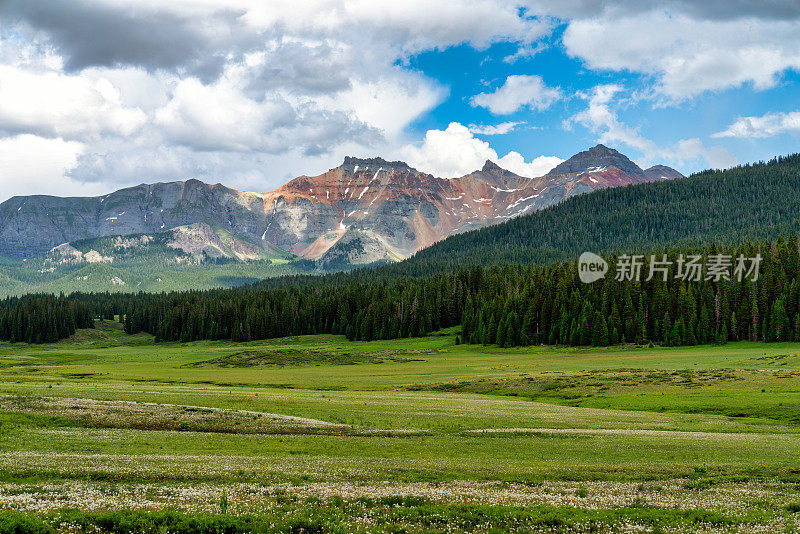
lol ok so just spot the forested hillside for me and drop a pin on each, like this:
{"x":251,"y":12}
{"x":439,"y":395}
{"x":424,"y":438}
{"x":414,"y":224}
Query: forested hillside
{"x":142,"y":262}
{"x":509,"y":306}
{"x":750,"y":202}
{"x":517,"y":283}
{"x":42,"y":318}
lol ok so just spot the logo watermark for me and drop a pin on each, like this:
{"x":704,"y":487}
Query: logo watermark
{"x":690,"y":268}
{"x":591,"y":267}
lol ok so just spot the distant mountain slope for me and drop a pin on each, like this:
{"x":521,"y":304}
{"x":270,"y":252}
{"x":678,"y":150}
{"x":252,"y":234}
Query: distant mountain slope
{"x":195,"y":256}
{"x":30,"y":226}
{"x":363,"y":211}
{"x":758,"y":201}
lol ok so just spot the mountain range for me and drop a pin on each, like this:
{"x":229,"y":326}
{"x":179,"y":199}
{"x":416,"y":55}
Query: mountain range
{"x":361,"y":212}
{"x":754,"y":202}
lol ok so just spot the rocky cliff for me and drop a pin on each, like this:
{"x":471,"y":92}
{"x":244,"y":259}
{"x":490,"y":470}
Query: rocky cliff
{"x":362,"y":211}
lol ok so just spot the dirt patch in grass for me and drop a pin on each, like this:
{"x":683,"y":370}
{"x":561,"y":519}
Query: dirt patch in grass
{"x":93,"y":413}
{"x":285,"y":357}
{"x":587,"y":384}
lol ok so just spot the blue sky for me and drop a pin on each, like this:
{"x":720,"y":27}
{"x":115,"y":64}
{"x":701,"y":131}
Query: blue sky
{"x":96,"y":95}
{"x":467,"y":71}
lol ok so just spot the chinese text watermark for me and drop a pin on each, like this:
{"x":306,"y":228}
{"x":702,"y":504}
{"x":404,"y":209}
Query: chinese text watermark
{"x":690,"y":268}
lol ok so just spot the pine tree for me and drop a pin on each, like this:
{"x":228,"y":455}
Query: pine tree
{"x":704,"y":326}
{"x":600,"y":332}
{"x":500,"y":334}
{"x":666,"y":330}
{"x":778,"y":320}
{"x":615,"y":336}
{"x":584,"y":332}
{"x":722,"y":338}
{"x":796,"y":327}
{"x":529,"y":327}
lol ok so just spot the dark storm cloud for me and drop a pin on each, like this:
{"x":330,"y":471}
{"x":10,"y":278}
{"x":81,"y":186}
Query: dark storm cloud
{"x":700,"y":9}
{"x":300,"y":68}
{"x":91,"y":34}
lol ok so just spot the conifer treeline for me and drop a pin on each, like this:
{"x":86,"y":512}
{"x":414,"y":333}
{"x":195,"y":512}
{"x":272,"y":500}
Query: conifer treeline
{"x":359,"y":310}
{"x":509,"y":306}
{"x":42,"y":318}
{"x":550,"y":305}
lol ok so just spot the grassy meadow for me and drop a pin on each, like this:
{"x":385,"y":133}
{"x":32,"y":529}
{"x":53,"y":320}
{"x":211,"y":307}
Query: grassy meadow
{"x":110,"y":432}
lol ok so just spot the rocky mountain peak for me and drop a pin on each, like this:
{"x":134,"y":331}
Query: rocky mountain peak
{"x":601,"y":149}
{"x":382,"y":208}
{"x":661,"y":168}
{"x":350,"y":163}
{"x":596,"y":157}
{"x":491,"y":166}
{"x":661,"y":172}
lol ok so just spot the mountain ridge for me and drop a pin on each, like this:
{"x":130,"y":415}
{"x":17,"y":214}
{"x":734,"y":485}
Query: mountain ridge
{"x":752,"y":202}
{"x":366,"y":209}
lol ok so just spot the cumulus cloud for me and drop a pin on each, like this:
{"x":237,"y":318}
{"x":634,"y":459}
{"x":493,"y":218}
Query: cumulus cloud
{"x":706,"y":10}
{"x":600,"y":118}
{"x":767,"y":125}
{"x":687,"y":55}
{"x":199,"y":36}
{"x":220,"y":118}
{"x":388,"y":102}
{"x":409,"y":26}
{"x":51,"y":104}
{"x":30,"y":162}
{"x":297,"y":67}
{"x":155,"y":35}
{"x":517,"y":92}
{"x":455,"y":151}
{"x":494,"y":129}
{"x":538,"y":166}
{"x":169,"y":90}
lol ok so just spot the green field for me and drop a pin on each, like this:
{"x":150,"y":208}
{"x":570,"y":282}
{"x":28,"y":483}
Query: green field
{"x":320,"y":434}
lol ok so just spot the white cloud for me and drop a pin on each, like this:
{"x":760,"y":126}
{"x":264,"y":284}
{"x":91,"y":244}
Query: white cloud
{"x":34,"y":164}
{"x":448,"y":153}
{"x":118,"y":165}
{"x":409,"y":26}
{"x":768,"y":125}
{"x":684,"y":150}
{"x":539,"y":166}
{"x":230,"y":90}
{"x":517,"y":92}
{"x":219,"y":117}
{"x":688,"y":55}
{"x":455,"y":151}
{"x":389,"y":102}
{"x":494,"y":129}
{"x":57,"y":105}
{"x":706,"y":10}
{"x":525,"y":51}
{"x":599,"y":118}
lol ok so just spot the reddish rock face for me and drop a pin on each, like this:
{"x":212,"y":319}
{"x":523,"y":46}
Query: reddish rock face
{"x":363,"y":211}
{"x":403,"y":210}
